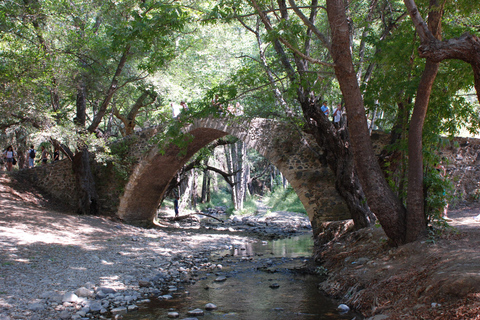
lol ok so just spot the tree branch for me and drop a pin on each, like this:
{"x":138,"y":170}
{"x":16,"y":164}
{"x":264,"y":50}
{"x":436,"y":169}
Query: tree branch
{"x":269,"y":27}
{"x":309,"y":24}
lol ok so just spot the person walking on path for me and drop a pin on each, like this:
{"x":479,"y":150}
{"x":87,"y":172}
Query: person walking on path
{"x":44,"y":156}
{"x":175,"y":206}
{"x":9,"y":156}
{"x":444,"y":211}
{"x":56,"y":155}
{"x":31,"y":156}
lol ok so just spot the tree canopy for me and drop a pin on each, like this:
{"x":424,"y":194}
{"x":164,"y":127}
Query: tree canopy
{"x":102,"y":69}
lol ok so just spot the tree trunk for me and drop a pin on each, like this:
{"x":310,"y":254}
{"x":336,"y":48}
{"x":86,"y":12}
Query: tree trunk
{"x":239,"y":176}
{"x":110,"y":92}
{"x":205,"y":178}
{"x":81,"y":105}
{"x":340,"y":160}
{"x":416,"y":221}
{"x":380,"y":197}
{"x":87,"y":194}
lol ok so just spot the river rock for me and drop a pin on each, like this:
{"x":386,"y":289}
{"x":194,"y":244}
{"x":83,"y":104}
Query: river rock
{"x":65,"y":315}
{"x":106,"y":290}
{"x":210,"y":306}
{"x":173,"y":314}
{"x":195,"y":312}
{"x":144,"y":284}
{"x":84,"y":292}
{"x":274,"y":286}
{"x":38,"y":306}
{"x":220,"y":279}
{"x":343,"y":308}
{"x":52,"y":296}
{"x":70,"y":297}
{"x":119,"y":310}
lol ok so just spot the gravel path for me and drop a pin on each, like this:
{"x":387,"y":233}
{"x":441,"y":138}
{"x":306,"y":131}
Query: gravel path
{"x":59,"y":266}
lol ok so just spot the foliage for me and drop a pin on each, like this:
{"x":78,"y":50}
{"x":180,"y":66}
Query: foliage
{"x":284,"y":200}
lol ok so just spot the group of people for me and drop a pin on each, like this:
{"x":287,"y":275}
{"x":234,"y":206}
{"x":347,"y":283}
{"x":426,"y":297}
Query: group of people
{"x":337,"y":113}
{"x":10,"y":156}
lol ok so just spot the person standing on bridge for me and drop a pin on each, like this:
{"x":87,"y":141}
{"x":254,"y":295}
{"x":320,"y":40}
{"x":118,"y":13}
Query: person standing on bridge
{"x":337,"y":116}
{"x":184,"y":106}
{"x":325,"y":108}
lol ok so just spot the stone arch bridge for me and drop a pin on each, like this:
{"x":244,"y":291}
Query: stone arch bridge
{"x":136,"y":198}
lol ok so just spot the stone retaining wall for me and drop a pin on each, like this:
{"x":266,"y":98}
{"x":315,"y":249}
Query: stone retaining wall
{"x":56,"y":179}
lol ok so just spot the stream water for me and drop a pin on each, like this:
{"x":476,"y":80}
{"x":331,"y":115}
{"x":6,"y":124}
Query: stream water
{"x":261,"y":280}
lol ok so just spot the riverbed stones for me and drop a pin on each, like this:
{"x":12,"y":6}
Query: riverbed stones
{"x":84,"y":292}
{"x":114,"y":270}
{"x":173,"y":314}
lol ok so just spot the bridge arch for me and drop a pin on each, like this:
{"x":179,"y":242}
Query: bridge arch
{"x":295,"y":155}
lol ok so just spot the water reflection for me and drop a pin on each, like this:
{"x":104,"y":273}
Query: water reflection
{"x":263,"y":282}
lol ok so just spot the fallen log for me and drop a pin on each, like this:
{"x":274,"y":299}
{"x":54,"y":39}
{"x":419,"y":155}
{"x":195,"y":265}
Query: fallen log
{"x":178,"y":218}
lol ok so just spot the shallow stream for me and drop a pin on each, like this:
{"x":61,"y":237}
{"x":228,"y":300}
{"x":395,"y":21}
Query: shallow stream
{"x":259,"y":280}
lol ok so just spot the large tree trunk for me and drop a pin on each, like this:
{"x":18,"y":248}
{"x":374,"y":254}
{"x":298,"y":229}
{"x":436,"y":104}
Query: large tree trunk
{"x":87,"y":194}
{"x":416,"y":221}
{"x":340,"y":160}
{"x":381,"y":199}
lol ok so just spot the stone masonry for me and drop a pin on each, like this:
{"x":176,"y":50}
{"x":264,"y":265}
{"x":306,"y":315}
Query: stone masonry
{"x":295,"y":156}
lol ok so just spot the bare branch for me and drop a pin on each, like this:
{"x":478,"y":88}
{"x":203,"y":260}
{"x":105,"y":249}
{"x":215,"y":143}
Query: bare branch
{"x":309,"y":24}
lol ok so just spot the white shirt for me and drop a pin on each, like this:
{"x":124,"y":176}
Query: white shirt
{"x":337,"y":115}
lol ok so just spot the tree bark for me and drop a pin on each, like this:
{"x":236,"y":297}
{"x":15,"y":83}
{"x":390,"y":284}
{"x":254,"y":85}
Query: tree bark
{"x":416,"y":220}
{"x":381,"y":199}
{"x":81,"y":104}
{"x":88,"y":199}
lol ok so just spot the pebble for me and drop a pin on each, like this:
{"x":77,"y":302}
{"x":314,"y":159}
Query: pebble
{"x":220,"y":279}
{"x":343,"y":308}
{"x":210,"y":306}
{"x":196,"y":312}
